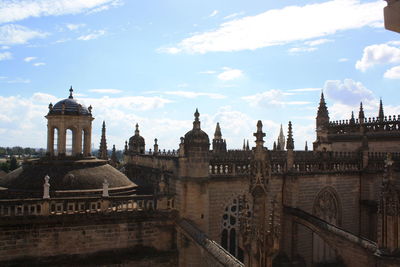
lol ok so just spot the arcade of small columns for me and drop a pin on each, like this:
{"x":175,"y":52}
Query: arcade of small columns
{"x":81,"y":128}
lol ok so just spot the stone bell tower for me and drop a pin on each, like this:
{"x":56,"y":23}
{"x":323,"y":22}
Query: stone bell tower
{"x":65,"y":115}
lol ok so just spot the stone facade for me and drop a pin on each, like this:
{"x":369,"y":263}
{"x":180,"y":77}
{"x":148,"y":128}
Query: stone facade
{"x":337,"y":205}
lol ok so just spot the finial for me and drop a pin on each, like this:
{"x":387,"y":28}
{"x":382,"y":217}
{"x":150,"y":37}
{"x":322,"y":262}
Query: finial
{"x":244,"y":144}
{"x":50,"y":106}
{"x":247,"y":145}
{"x":137,"y":129}
{"x":155,"y":141}
{"x":90,"y":109}
{"x":290,"y":141}
{"x":196,"y":123}
{"x":70,"y":93}
{"x":259,"y":135}
{"x":306,"y":147}
{"x":274,"y":147}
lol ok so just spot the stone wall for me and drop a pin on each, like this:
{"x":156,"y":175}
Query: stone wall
{"x":85,"y":234}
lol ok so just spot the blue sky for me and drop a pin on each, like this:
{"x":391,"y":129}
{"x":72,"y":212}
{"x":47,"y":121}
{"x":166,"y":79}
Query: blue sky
{"x":153,"y":62}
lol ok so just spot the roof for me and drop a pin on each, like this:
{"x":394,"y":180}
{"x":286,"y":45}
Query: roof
{"x":64,"y":176}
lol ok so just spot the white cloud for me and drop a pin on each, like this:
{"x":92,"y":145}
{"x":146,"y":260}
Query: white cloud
{"x":18,"y":80}
{"x":183,"y":85}
{"x":348,"y":92}
{"x":190,"y":94}
{"x":302,"y":49}
{"x":395,"y":43}
{"x":38,"y":64}
{"x":11,"y":11}
{"x":274,"y":97}
{"x":282,"y":26}
{"x":5,"y":56}
{"x":318,"y":42}
{"x":92,"y":35}
{"x":343,"y":59}
{"x":230,"y":74}
{"x":393,"y":73}
{"x":4,"y":47}
{"x":128,"y":102}
{"x":74,"y":27}
{"x":233,"y":15}
{"x":214,"y":13}
{"x":12,"y":34}
{"x":105,"y":91}
{"x":29,"y":59}
{"x":378,"y":54}
{"x":114,"y":3}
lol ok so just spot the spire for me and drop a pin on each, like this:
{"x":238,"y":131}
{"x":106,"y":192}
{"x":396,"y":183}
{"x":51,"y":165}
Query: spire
{"x":244,"y":144}
{"x":361,"y":115}
{"x":381,"y":114}
{"x":322,"y":109}
{"x":103,"y":143}
{"x":196,"y":123}
{"x":70,"y":93}
{"x":259,"y":135}
{"x":126,"y":147}
{"x":217,"y":134}
{"x":352,"y":121}
{"x":281,"y":140}
{"x":274,"y":147}
{"x":137,"y":129}
{"x":114,"y":159}
{"x":290,"y":141}
{"x":306,"y":147}
{"x":247,"y":145}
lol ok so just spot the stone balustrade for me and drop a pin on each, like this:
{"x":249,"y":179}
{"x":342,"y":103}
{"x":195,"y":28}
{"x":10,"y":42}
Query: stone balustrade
{"x":62,"y":206}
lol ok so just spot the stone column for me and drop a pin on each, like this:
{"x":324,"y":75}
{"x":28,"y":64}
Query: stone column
{"x":78,"y":141}
{"x":61,"y":141}
{"x":87,"y":142}
{"x":50,"y":139}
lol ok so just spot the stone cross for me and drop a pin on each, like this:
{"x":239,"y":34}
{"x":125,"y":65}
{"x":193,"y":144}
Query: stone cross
{"x":105,"y":188}
{"x":46,"y":188}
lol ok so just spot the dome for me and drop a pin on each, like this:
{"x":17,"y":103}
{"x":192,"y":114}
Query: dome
{"x":136,"y":142}
{"x":196,"y":138}
{"x":69,"y":106}
{"x":67,"y":178}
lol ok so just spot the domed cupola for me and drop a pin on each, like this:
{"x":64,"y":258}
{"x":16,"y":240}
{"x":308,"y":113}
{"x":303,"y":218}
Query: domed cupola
{"x":69,"y":128}
{"x":69,"y":106}
{"x":136,"y":142}
{"x":196,"y":141}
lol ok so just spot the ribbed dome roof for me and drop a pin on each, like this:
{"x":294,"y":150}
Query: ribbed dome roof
{"x":69,"y":106}
{"x":137,"y":139}
{"x":196,"y":137}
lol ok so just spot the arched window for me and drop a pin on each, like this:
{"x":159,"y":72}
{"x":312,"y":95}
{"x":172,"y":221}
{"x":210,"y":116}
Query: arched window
{"x":230,"y":229}
{"x":83,"y":141}
{"x":55,"y":141}
{"x":326,"y":207}
{"x":69,"y":142}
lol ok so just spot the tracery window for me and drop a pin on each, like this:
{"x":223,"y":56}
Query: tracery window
{"x":230,"y":229}
{"x":326,"y":207}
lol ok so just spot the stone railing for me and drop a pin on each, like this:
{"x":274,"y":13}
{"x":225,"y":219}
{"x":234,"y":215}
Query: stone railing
{"x":228,"y":168}
{"x":61,"y":206}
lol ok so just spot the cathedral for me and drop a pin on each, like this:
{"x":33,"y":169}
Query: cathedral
{"x":337,"y":204}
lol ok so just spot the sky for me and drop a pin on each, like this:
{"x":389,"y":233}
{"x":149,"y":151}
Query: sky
{"x":154,"y":62}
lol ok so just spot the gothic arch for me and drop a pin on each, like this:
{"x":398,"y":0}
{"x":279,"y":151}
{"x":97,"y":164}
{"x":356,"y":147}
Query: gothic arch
{"x":327,"y":207}
{"x":230,"y":226}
